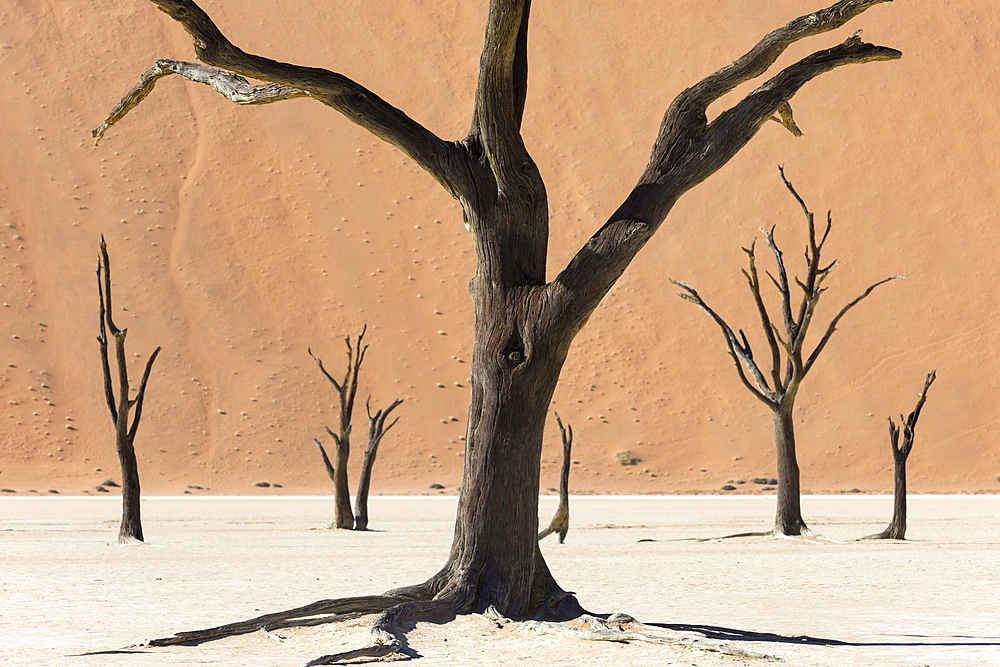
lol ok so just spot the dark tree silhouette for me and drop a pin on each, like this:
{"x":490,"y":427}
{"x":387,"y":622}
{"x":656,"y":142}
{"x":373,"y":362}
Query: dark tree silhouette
{"x":524,"y":323}
{"x":347,"y":391}
{"x":131,"y":526}
{"x":560,"y":520}
{"x":790,"y":362}
{"x":896,"y":529}
{"x":376,"y":431}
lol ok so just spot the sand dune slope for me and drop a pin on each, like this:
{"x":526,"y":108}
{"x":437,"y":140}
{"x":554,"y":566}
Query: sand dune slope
{"x":241,"y":236}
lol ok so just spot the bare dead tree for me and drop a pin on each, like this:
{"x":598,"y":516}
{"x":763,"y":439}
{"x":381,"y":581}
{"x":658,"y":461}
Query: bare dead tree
{"x":376,"y":431}
{"x":560,"y":520}
{"x":790,"y":362}
{"x":130,"y":529}
{"x":347,"y":390}
{"x":897,"y":527}
{"x":524,"y":323}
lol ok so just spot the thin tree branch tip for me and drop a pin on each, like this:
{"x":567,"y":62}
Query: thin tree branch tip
{"x":786,"y":120}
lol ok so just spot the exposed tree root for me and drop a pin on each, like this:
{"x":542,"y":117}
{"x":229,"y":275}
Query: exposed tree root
{"x":398,"y":614}
{"x":887,"y":534}
{"x":389,"y":631}
{"x":619,"y":628}
{"x":317,"y":613}
{"x":805,"y":535}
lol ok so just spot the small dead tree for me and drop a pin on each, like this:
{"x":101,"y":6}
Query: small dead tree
{"x":790,"y":363}
{"x":376,"y":430}
{"x":347,"y":390}
{"x":560,"y":521}
{"x":897,"y":527}
{"x":130,"y":530}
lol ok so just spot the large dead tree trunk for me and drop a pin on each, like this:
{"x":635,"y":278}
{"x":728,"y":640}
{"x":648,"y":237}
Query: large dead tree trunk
{"x":376,"y":431}
{"x":524,"y":324}
{"x":347,"y":391}
{"x":130,"y":529}
{"x":789,"y":360}
{"x":896,"y":529}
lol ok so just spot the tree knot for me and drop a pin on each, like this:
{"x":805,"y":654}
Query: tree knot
{"x":633,"y":229}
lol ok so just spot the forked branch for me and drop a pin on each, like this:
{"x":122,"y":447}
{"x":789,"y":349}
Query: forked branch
{"x":377,"y":429}
{"x":337,"y":91}
{"x":231,"y":86}
{"x":740,"y":352}
{"x":689,"y":148}
{"x":347,"y":390}
{"x":896,"y":530}
{"x":785,"y":349}
{"x":836,"y":320}
{"x":910,"y":423}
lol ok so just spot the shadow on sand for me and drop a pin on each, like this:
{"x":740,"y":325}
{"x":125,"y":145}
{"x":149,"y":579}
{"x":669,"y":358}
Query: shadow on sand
{"x":733,"y":635}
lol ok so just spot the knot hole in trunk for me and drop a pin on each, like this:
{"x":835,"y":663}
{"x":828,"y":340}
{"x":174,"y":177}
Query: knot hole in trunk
{"x":513,"y":354}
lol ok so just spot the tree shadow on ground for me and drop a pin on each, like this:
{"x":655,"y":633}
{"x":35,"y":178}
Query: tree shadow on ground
{"x":734,"y":635}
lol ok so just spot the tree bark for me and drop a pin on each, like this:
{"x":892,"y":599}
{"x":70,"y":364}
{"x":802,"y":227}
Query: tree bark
{"x":343,"y":516}
{"x":897,"y":527}
{"x":495,"y":560}
{"x":788,"y":517}
{"x":130,"y":529}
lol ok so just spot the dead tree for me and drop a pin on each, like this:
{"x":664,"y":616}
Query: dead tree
{"x":131,"y":526}
{"x":524,"y":323}
{"x":897,"y":527}
{"x":376,"y":430}
{"x":347,"y":390}
{"x":789,"y":360}
{"x":560,"y":520}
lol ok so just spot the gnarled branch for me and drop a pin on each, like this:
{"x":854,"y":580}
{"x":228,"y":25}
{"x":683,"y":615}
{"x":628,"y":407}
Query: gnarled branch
{"x":337,"y":91}
{"x":689,"y":148}
{"x":231,"y":86}
{"x":502,"y":87}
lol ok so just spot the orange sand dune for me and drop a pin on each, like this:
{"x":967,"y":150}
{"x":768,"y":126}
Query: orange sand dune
{"x":242,"y":236}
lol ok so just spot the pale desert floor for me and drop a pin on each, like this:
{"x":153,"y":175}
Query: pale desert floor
{"x":67,"y":589}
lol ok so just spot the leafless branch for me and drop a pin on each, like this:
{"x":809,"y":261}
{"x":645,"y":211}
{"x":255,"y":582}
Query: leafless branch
{"x":231,"y":86}
{"x":501,"y":90}
{"x":738,"y":353}
{"x":353,"y":100}
{"x":833,"y":324}
{"x":689,"y":148}
{"x":141,"y":395}
{"x":753,"y":280}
